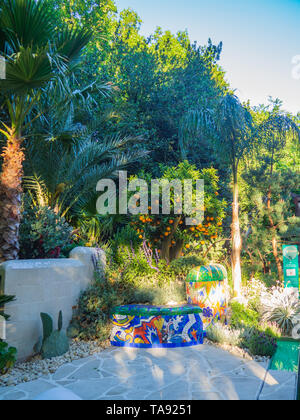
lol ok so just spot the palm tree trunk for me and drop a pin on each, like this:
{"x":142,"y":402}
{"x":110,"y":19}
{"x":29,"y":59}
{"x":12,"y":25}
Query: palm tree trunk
{"x":236,"y":240}
{"x":10,"y":197}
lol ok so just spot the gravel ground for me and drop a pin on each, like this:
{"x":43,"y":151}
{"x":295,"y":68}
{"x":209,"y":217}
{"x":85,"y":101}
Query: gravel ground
{"x":237,"y":351}
{"x":35,"y":367}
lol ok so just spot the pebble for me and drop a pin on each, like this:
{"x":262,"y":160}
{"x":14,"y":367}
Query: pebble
{"x":238,"y":351}
{"x":36,"y":367}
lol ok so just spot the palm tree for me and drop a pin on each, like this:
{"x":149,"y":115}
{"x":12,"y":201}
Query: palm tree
{"x":36,"y":54}
{"x":230,"y":127}
{"x":272,"y":135}
{"x":65,"y":178}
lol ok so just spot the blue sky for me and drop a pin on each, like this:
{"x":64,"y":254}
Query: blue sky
{"x":260,"y":38}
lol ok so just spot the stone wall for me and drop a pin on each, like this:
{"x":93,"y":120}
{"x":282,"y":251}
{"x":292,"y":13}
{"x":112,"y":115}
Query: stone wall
{"x":43,"y":286}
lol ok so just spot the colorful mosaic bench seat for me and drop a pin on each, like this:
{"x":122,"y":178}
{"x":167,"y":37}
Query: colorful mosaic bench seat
{"x":144,"y":326}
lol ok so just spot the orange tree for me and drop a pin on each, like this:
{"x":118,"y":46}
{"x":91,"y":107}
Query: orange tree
{"x":169,"y":234}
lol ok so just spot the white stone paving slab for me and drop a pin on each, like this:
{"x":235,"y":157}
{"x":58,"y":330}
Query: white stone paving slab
{"x":197,"y":373}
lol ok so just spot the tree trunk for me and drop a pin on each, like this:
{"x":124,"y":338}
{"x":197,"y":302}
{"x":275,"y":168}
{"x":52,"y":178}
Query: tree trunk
{"x":236,"y":240}
{"x":277,"y":259}
{"x":10,"y":197}
{"x":274,"y":238}
{"x":167,"y":253}
{"x":176,"y":250}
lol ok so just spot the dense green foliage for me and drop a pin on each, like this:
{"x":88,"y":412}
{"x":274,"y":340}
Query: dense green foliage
{"x":4,"y":299}
{"x":132,"y":94}
{"x":242,"y":316}
{"x":101,"y":98}
{"x":7,"y":354}
{"x":260,"y":343}
{"x":44,"y":234}
{"x":7,"y":357}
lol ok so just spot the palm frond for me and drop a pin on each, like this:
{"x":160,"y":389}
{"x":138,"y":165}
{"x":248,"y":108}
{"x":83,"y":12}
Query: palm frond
{"x":26,"y":71}
{"x":229,"y":119}
{"x":25,"y":23}
{"x":70,"y":177}
{"x":71,"y":41}
{"x":192,"y":123}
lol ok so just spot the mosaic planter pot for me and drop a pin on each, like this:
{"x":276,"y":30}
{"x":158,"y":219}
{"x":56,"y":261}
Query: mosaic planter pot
{"x":144,"y":326}
{"x":205,"y":287}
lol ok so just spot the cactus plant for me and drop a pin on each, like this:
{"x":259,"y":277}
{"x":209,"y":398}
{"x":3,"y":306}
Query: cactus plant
{"x":55,"y":343}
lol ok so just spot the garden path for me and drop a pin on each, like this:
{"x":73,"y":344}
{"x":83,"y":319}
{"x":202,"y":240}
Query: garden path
{"x":203,"y":372}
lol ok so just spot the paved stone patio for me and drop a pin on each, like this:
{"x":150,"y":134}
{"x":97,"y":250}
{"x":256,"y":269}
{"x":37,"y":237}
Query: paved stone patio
{"x":196,"y":373}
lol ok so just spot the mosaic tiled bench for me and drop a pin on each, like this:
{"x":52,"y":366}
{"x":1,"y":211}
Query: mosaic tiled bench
{"x":145,"y":326}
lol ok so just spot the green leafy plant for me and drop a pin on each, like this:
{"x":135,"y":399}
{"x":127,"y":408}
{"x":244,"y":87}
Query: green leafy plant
{"x":4,"y":299}
{"x":259,"y":343}
{"x":7,"y":354}
{"x":7,"y":357}
{"x":241,"y":316}
{"x":219,"y":333}
{"x":270,"y":328}
{"x":44,"y":234}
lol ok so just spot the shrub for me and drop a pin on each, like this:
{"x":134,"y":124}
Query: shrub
{"x":44,"y":234}
{"x":7,"y":354}
{"x":241,"y":316}
{"x":252,"y":292}
{"x":282,"y":307}
{"x":271,"y":329}
{"x":219,"y":333}
{"x":92,"y":318}
{"x":7,"y":357}
{"x":259,"y":343}
{"x":4,"y":299}
{"x":132,"y":279}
